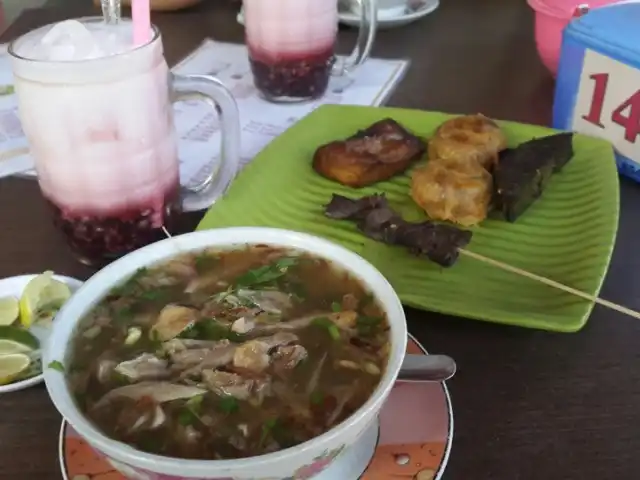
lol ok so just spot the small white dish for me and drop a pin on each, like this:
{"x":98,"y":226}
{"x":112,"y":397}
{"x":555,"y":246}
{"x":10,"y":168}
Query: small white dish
{"x":393,"y":18}
{"x":13,"y":287}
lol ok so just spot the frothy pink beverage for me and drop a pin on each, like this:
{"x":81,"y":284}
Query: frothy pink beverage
{"x":100,"y":127}
{"x":291,"y":46}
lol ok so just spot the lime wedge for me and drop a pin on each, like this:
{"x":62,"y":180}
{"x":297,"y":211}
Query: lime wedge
{"x":9,"y":310}
{"x":8,"y":347}
{"x":11,"y":366}
{"x":17,"y":340}
{"x":42,"y":298}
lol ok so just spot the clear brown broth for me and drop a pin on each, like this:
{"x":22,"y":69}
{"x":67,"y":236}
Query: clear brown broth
{"x":278,"y":402}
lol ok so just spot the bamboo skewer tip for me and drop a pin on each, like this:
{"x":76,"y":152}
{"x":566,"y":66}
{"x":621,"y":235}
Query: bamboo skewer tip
{"x":551,"y":283}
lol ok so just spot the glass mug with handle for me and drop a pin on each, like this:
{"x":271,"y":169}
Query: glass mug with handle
{"x":291,"y":46}
{"x":97,"y":113}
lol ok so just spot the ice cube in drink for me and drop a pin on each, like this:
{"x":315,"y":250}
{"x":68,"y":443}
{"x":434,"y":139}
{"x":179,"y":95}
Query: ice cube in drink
{"x":97,"y":116}
{"x":291,"y":46}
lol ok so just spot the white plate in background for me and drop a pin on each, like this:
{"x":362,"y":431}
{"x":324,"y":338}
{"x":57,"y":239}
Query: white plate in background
{"x":411,"y":14}
{"x":419,"y":10}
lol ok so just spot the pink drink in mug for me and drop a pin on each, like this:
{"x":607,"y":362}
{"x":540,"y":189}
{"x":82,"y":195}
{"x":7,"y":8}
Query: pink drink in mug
{"x":291,"y":45}
{"x":97,"y":114}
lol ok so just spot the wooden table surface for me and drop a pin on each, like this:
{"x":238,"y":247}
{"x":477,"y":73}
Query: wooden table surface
{"x":528,"y":405}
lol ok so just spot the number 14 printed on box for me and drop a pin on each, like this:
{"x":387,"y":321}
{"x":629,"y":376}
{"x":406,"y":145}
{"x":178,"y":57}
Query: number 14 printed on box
{"x":608,"y":103}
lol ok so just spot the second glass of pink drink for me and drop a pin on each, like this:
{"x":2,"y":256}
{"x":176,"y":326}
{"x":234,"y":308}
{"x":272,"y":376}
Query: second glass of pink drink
{"x":291,"y":46}
{"x":98,"y":116}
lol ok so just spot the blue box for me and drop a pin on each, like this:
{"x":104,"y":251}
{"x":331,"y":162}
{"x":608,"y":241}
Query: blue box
{"x":598,"y":83}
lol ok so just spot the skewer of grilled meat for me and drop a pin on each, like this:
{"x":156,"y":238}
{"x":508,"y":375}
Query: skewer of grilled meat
{"x":440,"y":243}
{"x":375,"y":218}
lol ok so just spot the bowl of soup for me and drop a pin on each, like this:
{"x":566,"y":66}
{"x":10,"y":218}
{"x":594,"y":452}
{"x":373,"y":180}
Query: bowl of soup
{"x":236,"y":353}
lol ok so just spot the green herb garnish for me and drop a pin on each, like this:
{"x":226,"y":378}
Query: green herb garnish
{"x":155,"y":294}
{"x":266,"y":273}
{"x":297,"y":289}
{"x":365,"y":320}
{"x":56,"y":365}
{"x":210,"y":329}
{"x":316,"y":398}
{"x":336,"y":307}
{"x":267,"y":427}
{"x":119,"y":378}
{"x":155,"y":336}
{"x":328,"y":325}
{"x":246,"y":301}
{"x":286,"y":262}
{"x":368,"y":299}
{"x":186,"y":417}
{"x":131,"y":285}
{"x":334,"y":331}
{"x":195,"y":403}
{"x":124,"y":314}
{"x":368,"y":326}
{"x":190,"y":332}
{"x":189,"y":414}
{"x":323,"y":322}
{"x":228,"y":405}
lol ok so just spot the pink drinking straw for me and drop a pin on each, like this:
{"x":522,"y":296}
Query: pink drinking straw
{"x":140,"y":11}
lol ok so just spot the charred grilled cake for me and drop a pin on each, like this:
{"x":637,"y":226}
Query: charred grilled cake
{"x":523,"y":172}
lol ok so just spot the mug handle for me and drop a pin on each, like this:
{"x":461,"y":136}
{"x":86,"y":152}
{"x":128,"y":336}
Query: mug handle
{"x":366,"y":38}
{"x":223,"y":172}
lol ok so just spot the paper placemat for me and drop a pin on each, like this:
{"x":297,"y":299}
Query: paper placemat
{"x":197,"y":123}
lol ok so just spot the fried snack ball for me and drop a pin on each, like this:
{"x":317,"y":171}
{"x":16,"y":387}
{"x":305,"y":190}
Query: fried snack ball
{"x":468,"y":138}
{"x":452,"y":191}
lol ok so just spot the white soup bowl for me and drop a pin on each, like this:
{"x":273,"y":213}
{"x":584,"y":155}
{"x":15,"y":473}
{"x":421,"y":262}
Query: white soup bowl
{"x":300,"y":462}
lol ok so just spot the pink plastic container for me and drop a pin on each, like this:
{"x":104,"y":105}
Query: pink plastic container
{"x":551,"y":18}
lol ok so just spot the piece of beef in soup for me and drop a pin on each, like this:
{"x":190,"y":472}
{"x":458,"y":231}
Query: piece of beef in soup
{"x":225,"y":354}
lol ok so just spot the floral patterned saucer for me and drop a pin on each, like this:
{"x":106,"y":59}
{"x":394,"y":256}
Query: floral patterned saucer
{"x":410,"y":442}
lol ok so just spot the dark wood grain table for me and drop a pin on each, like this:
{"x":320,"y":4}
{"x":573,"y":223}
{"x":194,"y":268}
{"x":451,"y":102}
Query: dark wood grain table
{"x":528,"y":405}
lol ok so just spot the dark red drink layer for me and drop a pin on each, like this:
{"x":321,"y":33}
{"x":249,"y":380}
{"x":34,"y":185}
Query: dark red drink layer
{"x":100,"y":237}
{"x":295,"y":75}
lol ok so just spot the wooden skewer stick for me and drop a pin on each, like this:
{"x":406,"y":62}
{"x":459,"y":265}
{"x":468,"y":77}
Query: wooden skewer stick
{"x":551,"y":283}
{"x":547,"y":281}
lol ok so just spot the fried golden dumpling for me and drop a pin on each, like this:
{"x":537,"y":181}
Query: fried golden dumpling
{"x":452,"y":191}
{"x":468,"y":138}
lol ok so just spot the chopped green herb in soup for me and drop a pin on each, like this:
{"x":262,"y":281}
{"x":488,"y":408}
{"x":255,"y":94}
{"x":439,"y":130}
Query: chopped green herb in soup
{"x":229,"y":354}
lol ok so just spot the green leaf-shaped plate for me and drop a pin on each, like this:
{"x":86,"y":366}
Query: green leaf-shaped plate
{"x":567,"y":235}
